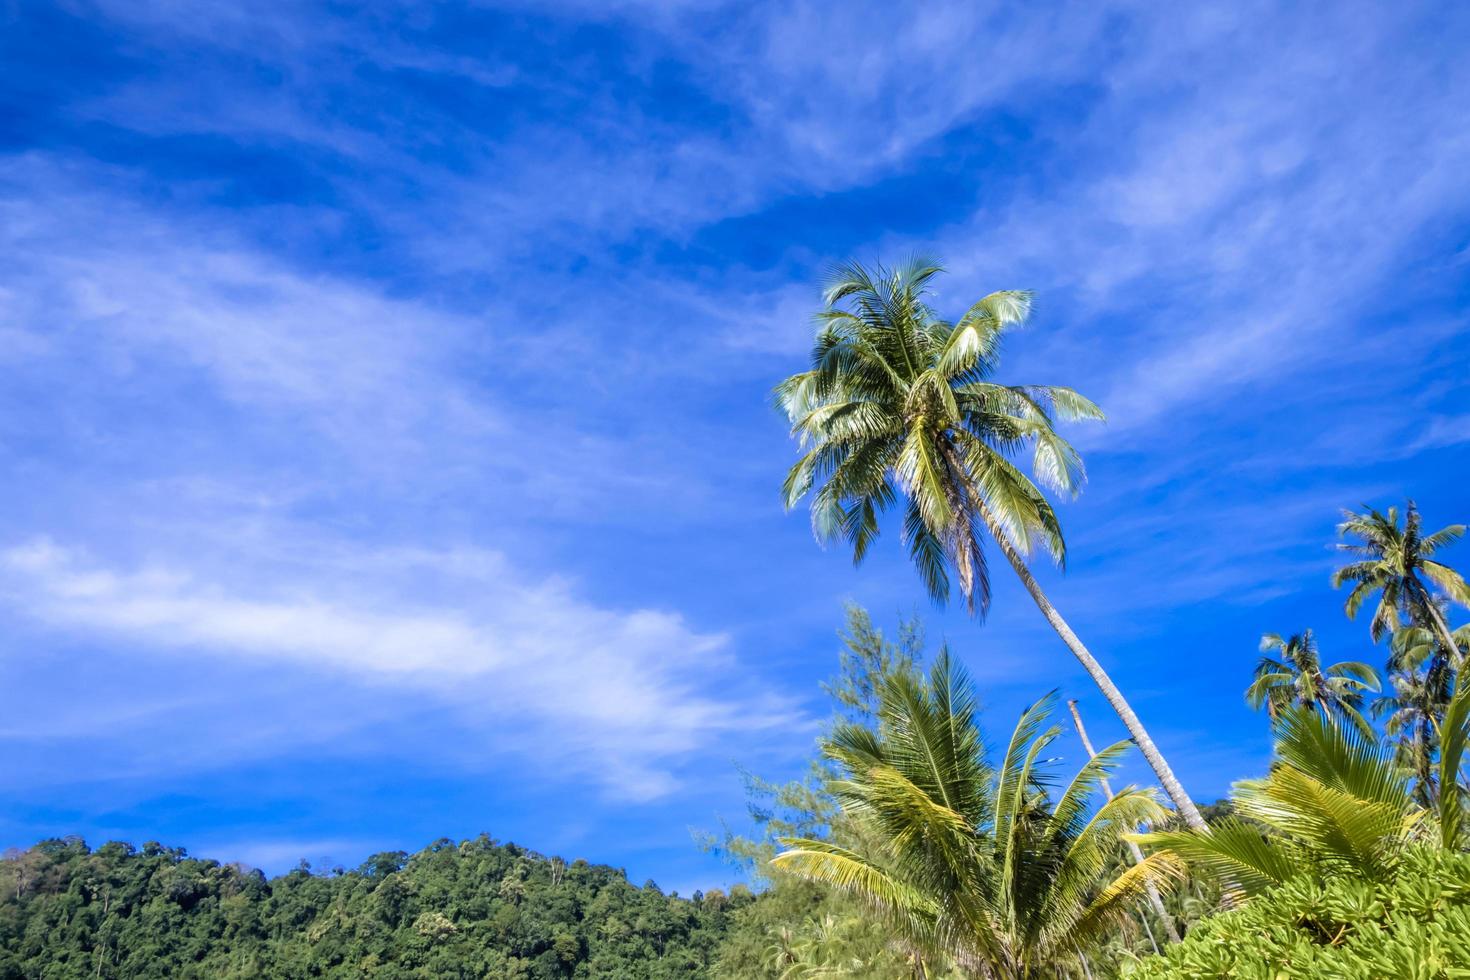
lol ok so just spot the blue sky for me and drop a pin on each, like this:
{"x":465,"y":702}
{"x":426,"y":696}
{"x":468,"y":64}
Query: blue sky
{"x":385,"y":422}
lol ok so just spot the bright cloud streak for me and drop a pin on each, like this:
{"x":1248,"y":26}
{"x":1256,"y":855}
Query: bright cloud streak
{"x":629,"y":687}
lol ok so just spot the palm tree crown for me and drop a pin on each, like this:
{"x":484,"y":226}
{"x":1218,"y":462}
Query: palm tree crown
{"x":900,"y":403}
{"x":1411,"y":710}
{"x":1296,"y":677}
{"x":984,"y":865}
{"x":1413,"y":647}
{"x":1423,"y":674}
{"x":1393,"y":561}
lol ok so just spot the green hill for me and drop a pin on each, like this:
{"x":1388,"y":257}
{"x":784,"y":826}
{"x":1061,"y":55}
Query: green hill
{"x":473,"y":909}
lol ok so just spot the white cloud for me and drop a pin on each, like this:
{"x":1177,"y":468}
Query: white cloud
{"x":1442,"y":430}
{"x":95,"y":271}
{"x":1242,"y":211}
{"x":843,"y":107}
{"x":107,"y":304}
{"x":276,"y":855}
{"x":164,"y":605}
{"x":635,"y":695}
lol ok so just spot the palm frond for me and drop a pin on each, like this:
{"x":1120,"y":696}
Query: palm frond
{"x":1120,"y":897}
{"x":926,"y":550}
{"x":829,"y":864}
{"x":1445,"y":535}
{"x":1011,"y":774}
{"x":1454,"y":732}
{"x":1448,"y":579}
{"x":966,"y":860}
{"x":1070,"y":811}
{"x":1340,"y":759}
{"x":1234,"y":852}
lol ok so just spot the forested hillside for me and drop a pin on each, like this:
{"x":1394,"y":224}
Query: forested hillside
{"x":474,"y":909}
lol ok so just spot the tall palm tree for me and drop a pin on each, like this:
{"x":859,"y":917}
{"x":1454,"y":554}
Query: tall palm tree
{"x":1412,"y":708}
{"x":1297,"y":677}
{"x":1336,"y":802}
{"x":1393,"y":561}
{"x":1423,"y":675}
{"x":981,"y":865}
{"x":899,"y":407}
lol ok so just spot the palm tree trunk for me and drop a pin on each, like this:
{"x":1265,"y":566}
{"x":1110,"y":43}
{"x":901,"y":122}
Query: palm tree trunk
{"x":1161,"y":769}
{"x":1150,"y":933}
{"x":1154,"y":898}
{"x":1451,"y":651}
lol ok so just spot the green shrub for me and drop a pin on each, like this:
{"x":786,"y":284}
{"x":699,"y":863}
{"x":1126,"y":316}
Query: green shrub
{"x":1416,"y":927}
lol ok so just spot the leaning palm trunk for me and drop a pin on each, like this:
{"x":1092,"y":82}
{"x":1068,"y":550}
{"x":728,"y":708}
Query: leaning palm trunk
{"x":1100,"y":677}
{"x":1442,"y":629}
{"x":1154,"y":898}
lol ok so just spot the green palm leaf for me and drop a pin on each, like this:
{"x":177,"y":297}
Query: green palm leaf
{"x":1235,"y":852}
{"x":969,"y":861}
{"x":1454,"y":732}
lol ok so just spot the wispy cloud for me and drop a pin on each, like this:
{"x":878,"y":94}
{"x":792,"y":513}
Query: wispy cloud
{"x":1240,"y":233}
{"x":320,"y":853}
{"x":107,"y":304}
{"x":1442,"y":430}
{"x":631,"y":694}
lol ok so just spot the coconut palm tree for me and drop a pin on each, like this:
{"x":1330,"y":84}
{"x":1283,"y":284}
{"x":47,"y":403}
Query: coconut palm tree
{"x":1413,"y":647}
{"x":1336,"y":802}
{"x":984,"y":866}
{"x":899,"y":408}
{"x":1411,"y":712}
{"x":1423,"y":676}
{"x":1393,"y":561}
{"x":1297,"y":677}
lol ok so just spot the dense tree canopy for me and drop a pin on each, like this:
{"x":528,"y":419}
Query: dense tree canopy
{"x":474,"y":909}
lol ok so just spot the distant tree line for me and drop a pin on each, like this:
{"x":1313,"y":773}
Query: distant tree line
{"x":474,"y":909}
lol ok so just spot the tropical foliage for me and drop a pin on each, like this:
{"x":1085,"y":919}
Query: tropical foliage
{"x":800,"y":928}
{"x":474,"y":909}
{"x":1296,"y":677}
{"x":1334,"y":804}
{"x":1413,"y":924}
{"x":1422,"y":677}
{"x":900,"y":407}
{"x":899,"y":401}
{"x":1393,"y":560}
{"x":995,"y":868}
{"x":909,"y":849}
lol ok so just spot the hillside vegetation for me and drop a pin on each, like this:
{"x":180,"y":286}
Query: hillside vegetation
{"x":473,"y":909}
